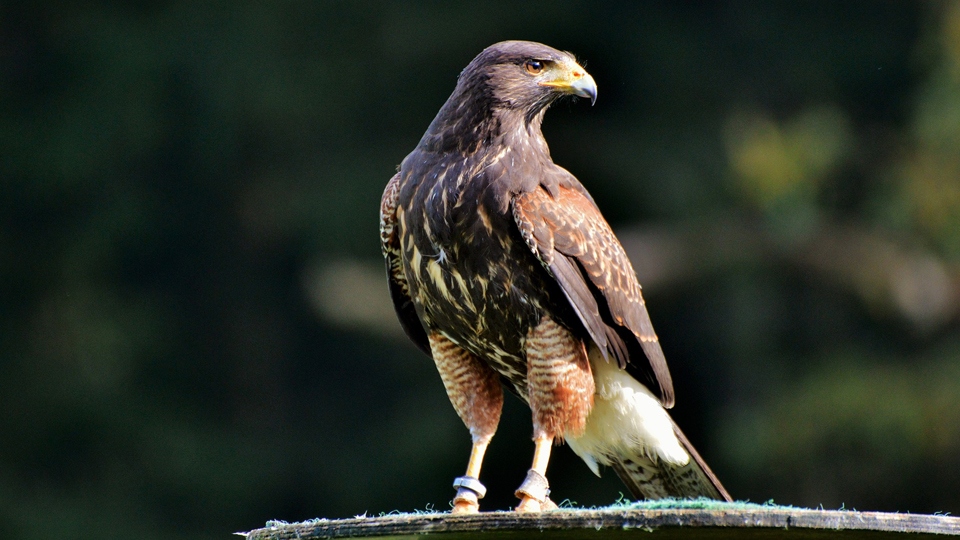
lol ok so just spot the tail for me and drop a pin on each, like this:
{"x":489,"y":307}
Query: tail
{"x":653,"y":478}
{"x":629,"y":430}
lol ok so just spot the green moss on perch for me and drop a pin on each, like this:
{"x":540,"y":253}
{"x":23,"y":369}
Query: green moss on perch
{"x":667,"y":519}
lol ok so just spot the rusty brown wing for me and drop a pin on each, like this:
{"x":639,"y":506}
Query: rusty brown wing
{"x":575,"y":243}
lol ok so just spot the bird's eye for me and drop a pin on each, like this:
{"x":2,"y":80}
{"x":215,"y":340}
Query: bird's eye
{"x":534,"y":67}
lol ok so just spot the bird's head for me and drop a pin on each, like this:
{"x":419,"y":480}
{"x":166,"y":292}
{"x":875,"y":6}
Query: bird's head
{"x":507,"y":86}
{"x":526,"y":76}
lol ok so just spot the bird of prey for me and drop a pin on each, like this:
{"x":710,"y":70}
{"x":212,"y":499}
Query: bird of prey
{"x":503,"y":270}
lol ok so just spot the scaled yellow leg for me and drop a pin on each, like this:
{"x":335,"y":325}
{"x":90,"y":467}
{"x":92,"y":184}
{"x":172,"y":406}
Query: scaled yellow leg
{"x":469,"y":488}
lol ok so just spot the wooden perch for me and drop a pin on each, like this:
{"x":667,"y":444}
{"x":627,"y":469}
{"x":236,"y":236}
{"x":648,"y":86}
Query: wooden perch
{"x":714,"y":521}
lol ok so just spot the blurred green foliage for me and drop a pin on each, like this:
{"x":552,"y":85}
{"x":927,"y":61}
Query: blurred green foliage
{"x":194,"y":334}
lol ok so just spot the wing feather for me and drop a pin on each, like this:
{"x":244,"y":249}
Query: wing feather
{"x":565,"y":271}
{"x":397,"y":280}
{"x":576,"y":244}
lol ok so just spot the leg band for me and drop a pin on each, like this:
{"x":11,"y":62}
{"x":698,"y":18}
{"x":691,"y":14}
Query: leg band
{"x":469,"y":489}
{"x":535,"y":486}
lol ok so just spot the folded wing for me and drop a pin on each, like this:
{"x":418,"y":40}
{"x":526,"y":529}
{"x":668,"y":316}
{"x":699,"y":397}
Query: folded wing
{"x":566,"y":231}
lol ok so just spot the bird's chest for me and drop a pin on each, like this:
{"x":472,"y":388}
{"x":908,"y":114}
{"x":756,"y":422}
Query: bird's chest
{"x":471,"y":276}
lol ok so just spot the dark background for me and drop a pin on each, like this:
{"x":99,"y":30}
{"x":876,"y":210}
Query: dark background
{"x":195,"y":335}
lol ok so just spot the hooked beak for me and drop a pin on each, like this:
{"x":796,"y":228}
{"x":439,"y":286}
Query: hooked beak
{"x":585,"y":87}
{"x":574,"y":80}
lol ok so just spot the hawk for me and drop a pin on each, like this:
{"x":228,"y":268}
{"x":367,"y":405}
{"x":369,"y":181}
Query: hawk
{"x":503,"y":270}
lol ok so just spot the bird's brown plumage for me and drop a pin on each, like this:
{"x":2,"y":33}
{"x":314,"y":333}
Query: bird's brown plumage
{"x":576,"y":244}
{"x":500,"y":264}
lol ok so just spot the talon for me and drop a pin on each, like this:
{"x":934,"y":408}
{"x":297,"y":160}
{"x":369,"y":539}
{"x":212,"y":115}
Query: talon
{"x":529,"y":504}
{"x":465,"y":507}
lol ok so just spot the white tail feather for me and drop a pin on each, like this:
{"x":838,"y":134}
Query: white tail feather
{"x":626,"y":421}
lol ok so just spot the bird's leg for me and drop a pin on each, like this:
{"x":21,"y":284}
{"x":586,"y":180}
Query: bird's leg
{"x":469,"y":488}
{"x":560,"y":390}
{"x":535,"y":490}
{"x":475,"y":392}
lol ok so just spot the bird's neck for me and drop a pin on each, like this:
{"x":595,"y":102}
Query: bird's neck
{"x":468,"y":126}
{"x":518,"y":130}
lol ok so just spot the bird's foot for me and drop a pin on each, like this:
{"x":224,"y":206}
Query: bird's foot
{"x":465,"y":507}
{"x":534,"y":494}
{"x":469,"y":493}
{"x":529,"y":504}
